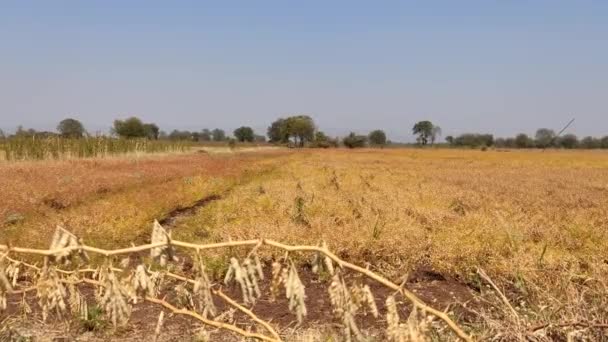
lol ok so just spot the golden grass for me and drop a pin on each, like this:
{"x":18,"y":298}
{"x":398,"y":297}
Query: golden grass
{"x":536,"y":222}
{"x":109,"y":201}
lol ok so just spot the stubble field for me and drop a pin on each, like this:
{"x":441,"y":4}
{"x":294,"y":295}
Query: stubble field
{"x":511,"y":245}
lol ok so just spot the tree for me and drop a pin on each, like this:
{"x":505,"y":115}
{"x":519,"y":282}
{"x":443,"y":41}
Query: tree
{"x":277,"y":132}
{"x":354,"y":141}
{"x":323,"y":141}
{"x":244,"y":133}
{"x":205,"y":135}
{"x":450,"y":139}
{"x":71,"y":128}
{"x":180,"y":135}
{"x":568,"y":141}
{"x":604,"y":142}
{"x":544,"y":137}
{"x":591,"y":143}
{"x":152,"y":131}
{"x":435,"y":133}
{"x":130,"y":128}
{"x":259,"y":138}
{"x":377,"y":137}
{"x":2,"y":135}
{"x":523,"y":141}
{"x":424,"y":130}
{"x":301,"y":128}
{"x":218,"y":134}
{"x":474,"y":140}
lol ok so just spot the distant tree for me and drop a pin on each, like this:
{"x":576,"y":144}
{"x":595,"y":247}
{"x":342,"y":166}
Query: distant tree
{"x":71,"y":128}
{"x":130,"y":128}
{"x":354,"y":141}
{"x":277,"y":132}
{"x":2,"y":135}
{"x":205,"y":135}
{"x":510,"y":143}
{"x":568,"y":141}
{"x":544,"y":137}
{"x":218,"y":134}
{"x":152,"y":131}
{"x":244,"y":133}
{"x":604,"y":142}
{"x":377,"y":137}
{"x":195,"y":136}
{"x":590,"y":143}
{"x":180,"y":135}
{"x":259,"y":138}
{"x":424,"y":130}
{"x":449,"y":139}
{"x":474,"y":140}
{"x":301,"y":128}
{"x":323,"y":141}
{"x":523,"y":141}
{"x":163,"y":135}
{"x":435,"y":133}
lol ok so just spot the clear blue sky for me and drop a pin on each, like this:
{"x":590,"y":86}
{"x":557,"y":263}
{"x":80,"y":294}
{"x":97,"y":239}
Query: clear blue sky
{"x":487,"y":66}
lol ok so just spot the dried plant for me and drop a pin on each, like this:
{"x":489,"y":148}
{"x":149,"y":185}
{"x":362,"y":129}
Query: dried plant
{"x":114,"y":298}
{"x":322,"y":262}
{"x":202,"y":289}
{"x":246,"y":276}
{"x":64,"y":239}
{"x":163,"y":253}
{"x":5,"y":284}
{"x":50,"y":291}
{"x":294,"y":291}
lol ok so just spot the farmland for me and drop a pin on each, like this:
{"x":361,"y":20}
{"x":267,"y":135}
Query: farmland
{"x":510,"y":244}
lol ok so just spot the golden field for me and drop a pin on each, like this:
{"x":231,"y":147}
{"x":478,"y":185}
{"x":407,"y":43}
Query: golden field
{"x":535,"y":222}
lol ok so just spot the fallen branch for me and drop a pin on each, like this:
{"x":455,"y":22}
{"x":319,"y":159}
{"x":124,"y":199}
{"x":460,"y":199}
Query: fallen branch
{"x":249,"y":313}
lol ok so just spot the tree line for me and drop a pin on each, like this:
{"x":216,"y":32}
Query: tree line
{"x":301,"y":131}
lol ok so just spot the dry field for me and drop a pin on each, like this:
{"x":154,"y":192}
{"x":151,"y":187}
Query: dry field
{"x":511,"y":245}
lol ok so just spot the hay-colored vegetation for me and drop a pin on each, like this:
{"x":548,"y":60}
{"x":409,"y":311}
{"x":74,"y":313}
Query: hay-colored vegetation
{"x":526,"y":231}
{"x":43,"y":148}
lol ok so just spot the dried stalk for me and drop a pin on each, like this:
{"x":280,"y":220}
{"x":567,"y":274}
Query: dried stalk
{"x":343,"y":264}
{"x":249,"y":313}
{"x":218,"y":325}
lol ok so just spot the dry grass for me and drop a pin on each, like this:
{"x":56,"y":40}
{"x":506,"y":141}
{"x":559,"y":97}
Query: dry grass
{"x":534,"y":224}
{"x":110,"y":201}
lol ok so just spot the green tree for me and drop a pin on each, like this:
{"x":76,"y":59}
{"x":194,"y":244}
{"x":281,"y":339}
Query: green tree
{"x":544,"y":137}
{"x":218,"y":134}
{"x":277,"y":132}
{"x":424,"y":130}
{"x":590,"y":143}
{"x":301,"y":128}
{"x":244,"y":133}
{"x":435,"y":133}
{"x":568,"y":141}
{"x":377,"y":137}
{"x":71,"y":128}
{"x":354,"y":141}
{"x":523,"y":141}
{"x":449,"y":139}
{"x":130,"y":128}
{"x":604,"y":142}
{"x":205,"y":135}
{"x":152,"y":131}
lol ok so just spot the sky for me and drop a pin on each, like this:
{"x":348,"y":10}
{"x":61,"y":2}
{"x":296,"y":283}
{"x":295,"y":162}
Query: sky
{"x":500,"y":67}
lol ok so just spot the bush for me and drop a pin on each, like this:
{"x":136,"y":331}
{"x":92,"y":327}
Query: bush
{"x":355,"y":141}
